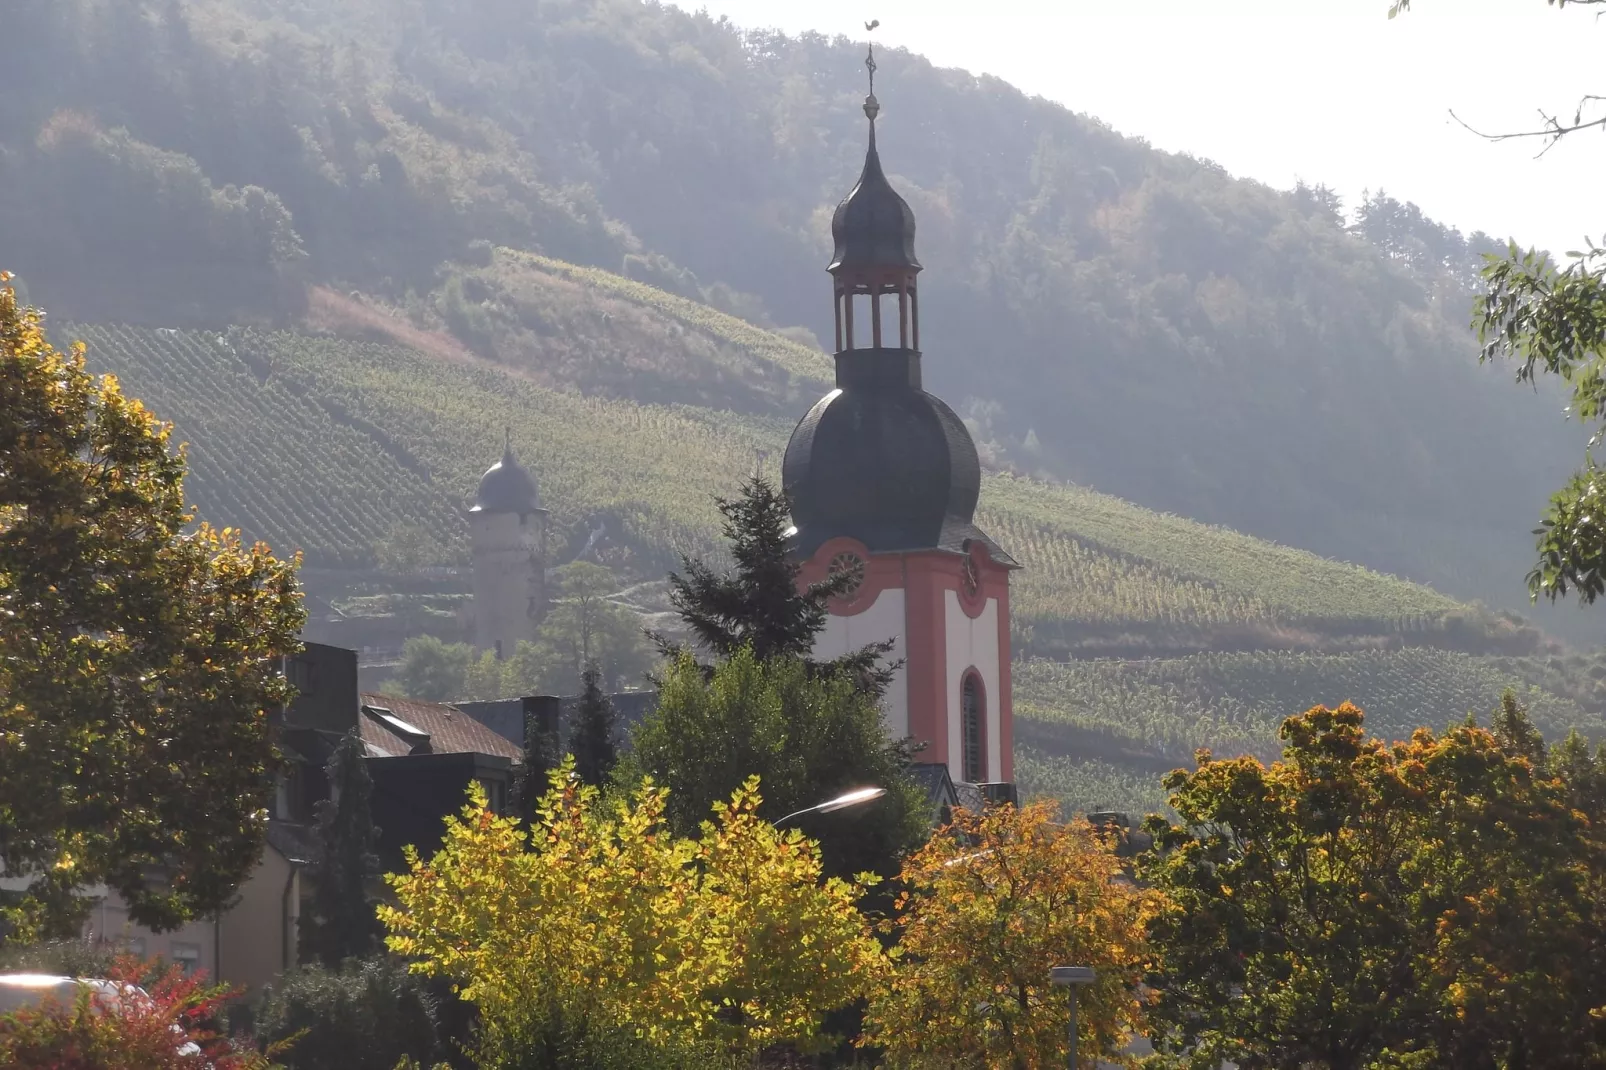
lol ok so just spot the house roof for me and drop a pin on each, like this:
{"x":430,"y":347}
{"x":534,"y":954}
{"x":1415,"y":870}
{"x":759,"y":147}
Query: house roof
{"x":393,"y":727}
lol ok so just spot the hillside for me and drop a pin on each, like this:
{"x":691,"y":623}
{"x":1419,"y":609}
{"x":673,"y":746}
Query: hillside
{"x":1104,"y":313}
{"x":324,"y":445}
{"x":327,"y":444}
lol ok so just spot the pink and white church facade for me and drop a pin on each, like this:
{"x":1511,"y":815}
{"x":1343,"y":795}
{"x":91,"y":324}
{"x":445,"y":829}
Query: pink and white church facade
{"x":883,"y":480}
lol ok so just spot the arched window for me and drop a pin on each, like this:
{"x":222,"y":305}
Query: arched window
{"x":973,"y":716}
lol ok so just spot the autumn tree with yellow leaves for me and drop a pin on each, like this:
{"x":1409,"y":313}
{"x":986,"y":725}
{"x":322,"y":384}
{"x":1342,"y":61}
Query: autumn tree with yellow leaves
{"x":989,"y":906}
{"x":1432,"y":904}
{"x":139,"y":655}
{"x":613,"y":927}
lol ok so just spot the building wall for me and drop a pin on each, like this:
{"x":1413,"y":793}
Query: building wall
{"x":246,"y":948}
{"x":883,"y":618}
{"x":943,"y":628}
{"x":972,"y":645}
{"x":257,"y":939}
{"x":509,"y":578}
{"x":194,"y":944}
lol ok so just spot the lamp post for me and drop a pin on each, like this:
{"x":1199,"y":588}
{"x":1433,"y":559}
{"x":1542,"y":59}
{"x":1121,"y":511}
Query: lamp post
{"x":1072,"y":977}
{"x":857,"y":797}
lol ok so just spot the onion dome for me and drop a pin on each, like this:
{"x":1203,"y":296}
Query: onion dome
{"x":873,"y":226}
{"x":507,"y":487}
{"x":891,"y":466}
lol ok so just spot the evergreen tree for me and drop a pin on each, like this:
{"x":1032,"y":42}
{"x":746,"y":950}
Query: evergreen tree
{"x":593,"y":741}
{"x":758,"y":605}
{"x":532,"y":779}
{"x":341,"y":923}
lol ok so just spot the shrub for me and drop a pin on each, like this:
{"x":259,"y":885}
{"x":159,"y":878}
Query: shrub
{"x":171,"y":1024}
{"x":368,"y":1015}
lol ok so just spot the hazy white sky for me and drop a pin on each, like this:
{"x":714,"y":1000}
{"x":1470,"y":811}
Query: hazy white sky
{"x":1326,"y":90}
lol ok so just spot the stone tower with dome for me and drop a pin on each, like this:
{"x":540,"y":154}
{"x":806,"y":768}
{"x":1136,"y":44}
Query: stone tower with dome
{"x":507,"y":537}
{"x":883,"y":480}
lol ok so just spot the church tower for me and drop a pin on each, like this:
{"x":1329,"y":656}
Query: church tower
{"x":883,"y":479}
{"x":507,"y":535}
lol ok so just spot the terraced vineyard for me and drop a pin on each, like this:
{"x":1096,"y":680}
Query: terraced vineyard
{"x":324,"y":445}
{"x":1233,"y":703}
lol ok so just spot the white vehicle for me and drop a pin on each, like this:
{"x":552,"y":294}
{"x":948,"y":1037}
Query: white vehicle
{"x":20,"y":990}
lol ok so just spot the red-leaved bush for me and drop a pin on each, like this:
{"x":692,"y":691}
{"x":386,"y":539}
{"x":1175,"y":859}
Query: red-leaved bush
{"x":169,"y":1022}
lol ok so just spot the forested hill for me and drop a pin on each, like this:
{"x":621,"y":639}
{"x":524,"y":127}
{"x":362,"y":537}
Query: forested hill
{"x":1135,"y":321}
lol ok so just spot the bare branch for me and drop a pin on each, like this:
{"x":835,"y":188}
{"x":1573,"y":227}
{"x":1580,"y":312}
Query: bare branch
{"x":1552,"y":129}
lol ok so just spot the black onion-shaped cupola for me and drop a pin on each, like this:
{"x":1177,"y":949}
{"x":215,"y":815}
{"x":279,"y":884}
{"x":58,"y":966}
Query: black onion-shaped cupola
{"x":507,"y":487}
{"x":878,"y":459}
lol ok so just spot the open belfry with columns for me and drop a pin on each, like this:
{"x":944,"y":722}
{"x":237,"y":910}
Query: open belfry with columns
{"x":883,"y":480}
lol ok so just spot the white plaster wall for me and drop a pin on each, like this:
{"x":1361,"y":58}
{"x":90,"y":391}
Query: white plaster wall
{"x":883,"y":620}
{"x":507,"y":575}
{"x":972,"y":643}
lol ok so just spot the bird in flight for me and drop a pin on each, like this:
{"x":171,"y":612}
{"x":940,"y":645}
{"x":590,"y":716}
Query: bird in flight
{"x":872,"y":24}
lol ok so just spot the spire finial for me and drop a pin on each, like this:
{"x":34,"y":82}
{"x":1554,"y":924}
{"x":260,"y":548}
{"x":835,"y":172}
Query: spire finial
{"x":872,"y":107}
{"x":507,"y":441}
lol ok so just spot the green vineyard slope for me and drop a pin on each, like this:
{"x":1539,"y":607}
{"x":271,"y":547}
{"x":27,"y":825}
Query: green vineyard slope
{"x":324,"y":444}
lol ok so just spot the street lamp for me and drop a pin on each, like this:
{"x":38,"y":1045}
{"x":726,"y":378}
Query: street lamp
{"x":1073,"y":977}
{"x":857,"y":797}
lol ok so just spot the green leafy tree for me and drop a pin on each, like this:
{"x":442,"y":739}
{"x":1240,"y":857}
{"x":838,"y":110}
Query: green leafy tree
{"x":433,"y":670}
{"x":1359,"y":904}
{"x":139,"y":655}
{"x":341,"y":923}
{"x":809,"y":736}
{"x":594,"y":739}
{"x":584,"y":627}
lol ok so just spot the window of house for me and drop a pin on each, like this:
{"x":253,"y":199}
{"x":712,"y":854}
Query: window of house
{"x":495,"y":794}
{"x":135,"y":945}
{"x":186,"y":955}
{"x":970,"y":729}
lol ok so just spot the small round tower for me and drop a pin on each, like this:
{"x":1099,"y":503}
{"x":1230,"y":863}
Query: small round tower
{"x":507,"y":533}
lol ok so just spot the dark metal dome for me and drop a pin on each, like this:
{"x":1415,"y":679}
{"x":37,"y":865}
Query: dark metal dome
{"x":882,"y":461}
{"x":507,"y":487}
{"x":873,"y":226}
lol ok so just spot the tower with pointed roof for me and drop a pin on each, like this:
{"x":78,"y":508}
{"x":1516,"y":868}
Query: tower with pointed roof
{"x":507,"y":537}
{"x":883,"y":480}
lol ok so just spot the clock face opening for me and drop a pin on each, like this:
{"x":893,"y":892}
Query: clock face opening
{"x":852,"y":565}
{"x":968,"y":578}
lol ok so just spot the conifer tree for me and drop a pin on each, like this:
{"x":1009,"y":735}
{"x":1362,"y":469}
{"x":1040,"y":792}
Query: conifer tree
{"x":533,"y":777}
{"x":341,"y":923}
{"x":593,"y":741}
{"x":758,"y":604}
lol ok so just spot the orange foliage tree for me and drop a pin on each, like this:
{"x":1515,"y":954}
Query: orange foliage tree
{"x":1425,"y":904}
{"x":989,"y":906}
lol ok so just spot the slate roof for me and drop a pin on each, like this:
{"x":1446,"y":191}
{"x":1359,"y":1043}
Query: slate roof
{"x":445,"y":730}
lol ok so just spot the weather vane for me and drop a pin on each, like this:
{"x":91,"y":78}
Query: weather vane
{"x":871,"y":106}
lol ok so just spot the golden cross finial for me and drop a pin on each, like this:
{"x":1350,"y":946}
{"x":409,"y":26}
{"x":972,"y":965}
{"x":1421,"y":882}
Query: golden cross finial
{"x":871,"y":106}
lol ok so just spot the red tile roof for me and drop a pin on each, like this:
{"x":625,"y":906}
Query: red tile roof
{"x":450,"y":731}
